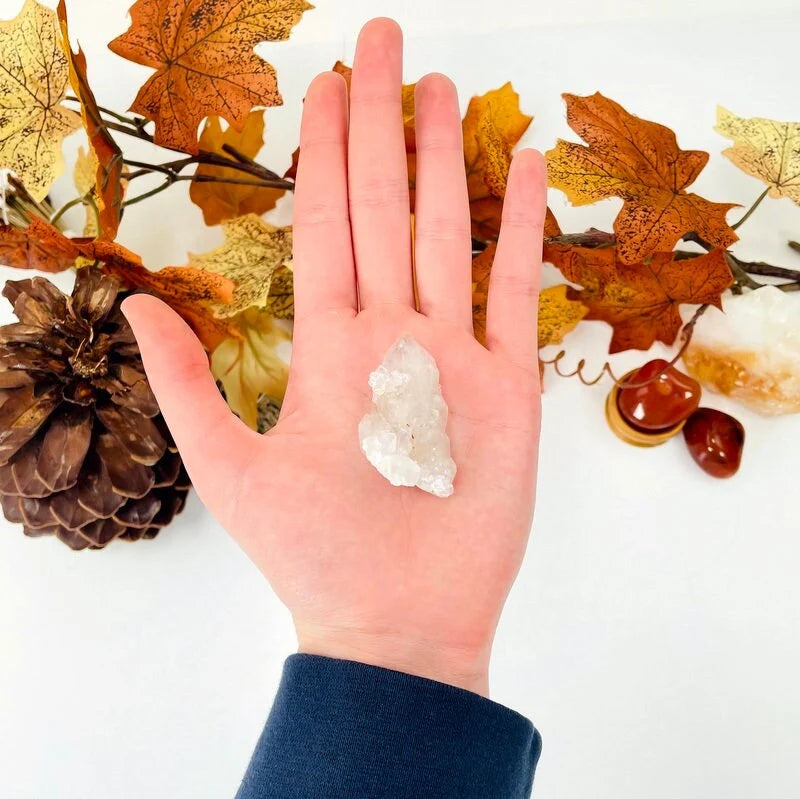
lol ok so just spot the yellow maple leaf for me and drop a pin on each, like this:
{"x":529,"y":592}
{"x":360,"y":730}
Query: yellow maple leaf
{"x":253,"y":251}
{"x":33,"y":77}
{"x":766,"y":149}
{"x":217,"y":200}
{"x":280,"y":302}
{"x":83,"y":176}
{"x":249,"y":367}
{"x":492,"y":126}
{"x":558,"y":314}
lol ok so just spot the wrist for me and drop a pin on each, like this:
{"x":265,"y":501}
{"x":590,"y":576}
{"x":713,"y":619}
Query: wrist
{"x":463,"y":667}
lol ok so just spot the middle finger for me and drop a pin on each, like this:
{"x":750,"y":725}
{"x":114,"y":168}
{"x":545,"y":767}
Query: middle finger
{"x":378,"y":175}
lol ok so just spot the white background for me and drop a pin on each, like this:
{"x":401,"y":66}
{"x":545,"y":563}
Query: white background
{"x":652,"y":635}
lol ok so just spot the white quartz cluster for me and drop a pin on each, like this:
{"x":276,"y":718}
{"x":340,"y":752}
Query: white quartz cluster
{"x":404,"y":435}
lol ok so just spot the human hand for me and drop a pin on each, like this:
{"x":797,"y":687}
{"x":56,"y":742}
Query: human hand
{"x":384,"y":575}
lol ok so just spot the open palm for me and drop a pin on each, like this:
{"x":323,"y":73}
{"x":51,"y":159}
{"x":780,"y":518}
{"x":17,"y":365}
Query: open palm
{"x":371,"y":572}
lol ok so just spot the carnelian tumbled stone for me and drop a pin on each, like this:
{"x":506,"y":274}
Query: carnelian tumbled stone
{"x":661,"y":403}
{"x":716,"y":441}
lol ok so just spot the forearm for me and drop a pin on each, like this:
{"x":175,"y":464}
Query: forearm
{"x":344,"y":730}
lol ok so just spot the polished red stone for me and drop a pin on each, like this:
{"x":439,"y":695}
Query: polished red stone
{"x":661,"y":403}
{"x":716,"y":441}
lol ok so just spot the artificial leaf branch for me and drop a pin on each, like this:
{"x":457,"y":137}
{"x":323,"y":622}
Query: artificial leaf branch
{"x":634,"y":278}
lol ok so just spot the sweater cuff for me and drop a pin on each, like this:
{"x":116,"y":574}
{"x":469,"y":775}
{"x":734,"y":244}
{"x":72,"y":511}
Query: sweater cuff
{"x":344,"y":729}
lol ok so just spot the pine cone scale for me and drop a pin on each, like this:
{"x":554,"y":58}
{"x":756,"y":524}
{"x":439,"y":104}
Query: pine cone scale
{"x":64,"y":448}
{"x":27,"y":482}
{"x":21,"y":415}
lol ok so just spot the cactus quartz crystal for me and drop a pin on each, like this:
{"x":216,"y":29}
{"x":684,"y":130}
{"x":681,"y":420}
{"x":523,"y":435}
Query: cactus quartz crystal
{"x":404,"y":436}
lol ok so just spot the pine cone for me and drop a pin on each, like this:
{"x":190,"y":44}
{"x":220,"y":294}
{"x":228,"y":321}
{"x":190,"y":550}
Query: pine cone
{"x":84,"y":452}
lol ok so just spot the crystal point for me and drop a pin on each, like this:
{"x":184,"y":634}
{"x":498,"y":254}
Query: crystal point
{"x":404,"y":435}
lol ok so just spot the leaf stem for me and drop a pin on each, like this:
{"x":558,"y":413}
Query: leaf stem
{"x":136,"y":122}
{"x":743,"y":280}
{"x":64,"y":208}
{"x":751,"y":209}
{"x":139,"y":197}
{"x":768,"y":270}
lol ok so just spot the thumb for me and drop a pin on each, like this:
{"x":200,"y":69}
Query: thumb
{"x":213,"y":443}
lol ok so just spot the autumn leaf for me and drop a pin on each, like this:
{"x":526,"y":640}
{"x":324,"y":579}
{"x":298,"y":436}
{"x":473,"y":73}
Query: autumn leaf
{"x":558,"y":314}
{"x":248,"y":366}
{"x":640,"y":162}
{"x":108,"y":187}
{"x":83,"y":176}
{"x":253,"y":251}
{"x":280,"y":302}
{"x":492,"y":126}
{"x":39,"y":246}
{"x":202,"y":51}
{"x":765,"y":149}
{"x":217,"y":200}
{"x":33,"y":78}
{"x":640,"y":301}
{"x":551,"y":226}
{"x":193,"y":293}
{"x":481,"y":271}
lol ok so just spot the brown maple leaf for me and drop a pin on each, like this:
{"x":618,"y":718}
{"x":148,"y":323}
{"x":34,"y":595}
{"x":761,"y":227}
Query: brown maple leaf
{"x":108,"y":188}
{"x":193,"y":293}
{"x":220,"y":201}
{"x":640,"y":162}
{"x":640,"y":301}
{"x":206,"y":66}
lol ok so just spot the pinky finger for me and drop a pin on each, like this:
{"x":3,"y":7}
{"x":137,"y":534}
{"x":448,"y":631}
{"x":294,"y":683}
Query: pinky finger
{"x":511,"y":314}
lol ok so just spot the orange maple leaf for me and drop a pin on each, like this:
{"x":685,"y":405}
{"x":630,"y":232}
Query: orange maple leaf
{"x":193,"y":293}
{"x":203,"y":53}
{"x":108,"y":179}
{"x":640,"y":301}
{"x":39,"y":246}
{"x":640,"y":162}
{"x":220,"y":201}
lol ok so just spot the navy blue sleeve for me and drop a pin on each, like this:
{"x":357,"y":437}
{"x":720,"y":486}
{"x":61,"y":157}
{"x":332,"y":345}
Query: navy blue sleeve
{"x":345,"y":730}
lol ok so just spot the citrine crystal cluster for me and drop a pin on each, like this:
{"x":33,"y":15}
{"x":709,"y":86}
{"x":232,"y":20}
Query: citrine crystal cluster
{"x":84,"y":452}
{"x":751,"y":351}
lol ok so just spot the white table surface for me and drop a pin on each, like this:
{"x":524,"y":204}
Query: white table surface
{"x":652,"y":635}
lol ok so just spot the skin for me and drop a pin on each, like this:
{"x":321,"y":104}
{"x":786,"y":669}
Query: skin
{"x":383,"y":575}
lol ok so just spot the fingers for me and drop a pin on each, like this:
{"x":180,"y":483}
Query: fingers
{"x":324,"y":275}
{"x":512,"y":305}
{"x":443,"y":246}
{"x":378,"y":176}
{"x":212,"y":441}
